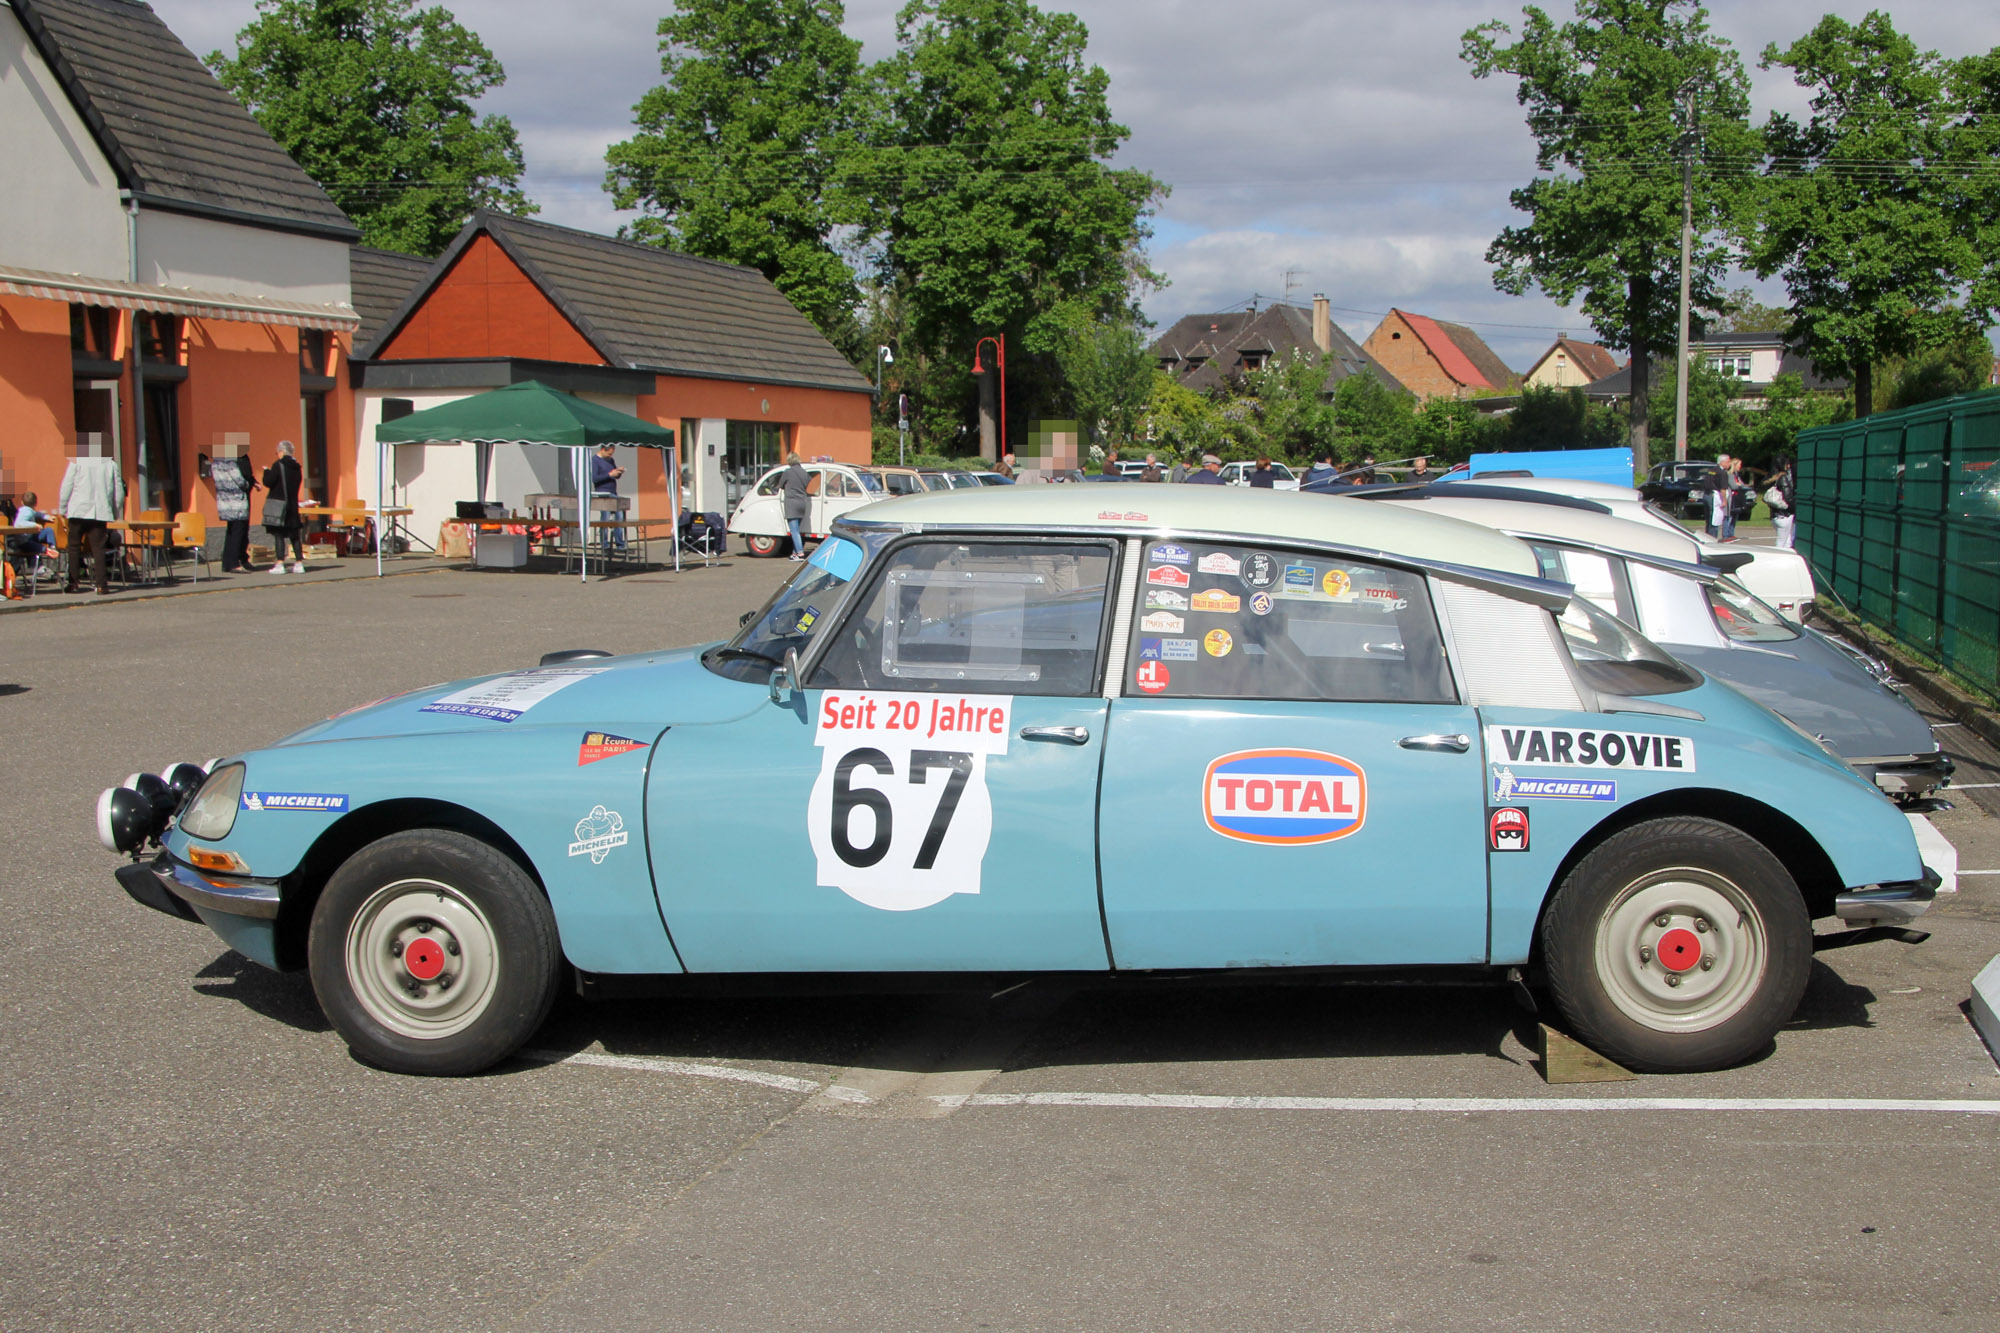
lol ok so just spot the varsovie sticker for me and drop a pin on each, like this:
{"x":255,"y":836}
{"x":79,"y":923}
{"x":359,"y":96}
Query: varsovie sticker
{"x":1289,"y":798}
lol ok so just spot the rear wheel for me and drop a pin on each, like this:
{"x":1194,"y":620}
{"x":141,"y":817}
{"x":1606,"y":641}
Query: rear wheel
{"x":1677,"y":945}
{"x":433,"y":953}
{"x":763,"y":545}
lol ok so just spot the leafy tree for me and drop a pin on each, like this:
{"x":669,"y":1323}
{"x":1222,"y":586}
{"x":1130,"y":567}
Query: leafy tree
{"x":1604,"y":94}
{"x":1742,"y":312}
{"x":1854,"y":213}
{"x":1179,"y":421}
{"x":1963,"y":365}
{"x":1445,"y":430}
{"x":993,"y":209}
{"x":1289,"y":413}
{"x":1110,"y":374}
{"x":1554,"y":418}
{"x":1371,"y":417}
{"x":374,"y":99}
{"x":739,"y":152}
{"x":1713,"y":427}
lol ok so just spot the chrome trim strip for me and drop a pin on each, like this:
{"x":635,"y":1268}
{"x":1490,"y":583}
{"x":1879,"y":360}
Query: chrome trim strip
{"x":254,"y":898}
{"x":1545,"y":593}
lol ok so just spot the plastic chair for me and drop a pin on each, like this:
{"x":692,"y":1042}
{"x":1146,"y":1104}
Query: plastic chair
{"x":190,"y":535}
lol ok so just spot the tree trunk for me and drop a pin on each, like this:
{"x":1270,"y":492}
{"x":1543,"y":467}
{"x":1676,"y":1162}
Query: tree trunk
{"x":1864,"y":386}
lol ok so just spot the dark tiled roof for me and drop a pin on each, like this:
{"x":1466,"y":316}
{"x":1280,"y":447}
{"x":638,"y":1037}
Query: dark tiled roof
{"x":383,"y":280}
{"x":1592,"y":359}
{"x":651,"y":309}
{"x":175,"y":135}
{"x":1204,"y":350}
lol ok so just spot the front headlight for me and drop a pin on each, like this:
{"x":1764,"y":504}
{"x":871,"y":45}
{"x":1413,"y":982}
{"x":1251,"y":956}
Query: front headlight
{"x":213,"y":812}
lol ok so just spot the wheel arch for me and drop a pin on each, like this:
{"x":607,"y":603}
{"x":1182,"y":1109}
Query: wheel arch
{"x":357,"y":829}
{"x":1784,"y":837}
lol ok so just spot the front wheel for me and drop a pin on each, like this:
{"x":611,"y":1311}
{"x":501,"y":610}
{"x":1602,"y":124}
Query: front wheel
{"x":433,"y":953}
{"x":763,"y":545}
{"x":1677,"y":945}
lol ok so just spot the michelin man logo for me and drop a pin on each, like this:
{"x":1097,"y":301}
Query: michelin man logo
{"x":597,"y":833}
{"x":1503,"y":784}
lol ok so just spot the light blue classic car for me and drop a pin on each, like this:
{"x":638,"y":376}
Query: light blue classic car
{"x":1130,"y":733}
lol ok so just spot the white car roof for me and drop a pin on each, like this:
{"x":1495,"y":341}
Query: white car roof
{"x":1560,"y":524}
{"x":1250,"y":512}
{"x":1582,"y":490}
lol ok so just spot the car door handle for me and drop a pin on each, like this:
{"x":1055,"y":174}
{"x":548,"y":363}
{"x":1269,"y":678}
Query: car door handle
{"x":1067,"y":735}
{"x":1457,"y":743}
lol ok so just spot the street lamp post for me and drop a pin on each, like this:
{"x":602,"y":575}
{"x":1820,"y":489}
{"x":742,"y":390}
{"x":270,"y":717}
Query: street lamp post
{"x":999,"y":341}
{"x":883,"y":356}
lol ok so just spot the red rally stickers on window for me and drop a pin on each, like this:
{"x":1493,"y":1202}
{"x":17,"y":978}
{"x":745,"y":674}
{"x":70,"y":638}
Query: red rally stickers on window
{"x":1166,"y":576}
{"x":1153,"y":677}
{"x":1284,"y":798}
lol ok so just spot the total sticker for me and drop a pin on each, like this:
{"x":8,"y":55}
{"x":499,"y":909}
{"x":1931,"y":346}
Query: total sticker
{"x":1217,"y":643}
{"x":1153,"y":677}
{"x":1218,"y":601}
{"x":900,"y":816}
{"x":1284,"y":798}
{"x":1337,"y":584}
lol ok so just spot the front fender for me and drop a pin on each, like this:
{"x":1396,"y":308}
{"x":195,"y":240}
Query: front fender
{"x":579,"y":824}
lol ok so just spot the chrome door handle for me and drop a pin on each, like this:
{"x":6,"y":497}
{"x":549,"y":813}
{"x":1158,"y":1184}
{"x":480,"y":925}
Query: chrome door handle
{"x":1457,"y":743}
{"x":1067,"y":735}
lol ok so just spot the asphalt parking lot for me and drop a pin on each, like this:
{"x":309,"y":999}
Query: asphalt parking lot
{"x":186,"y":1143}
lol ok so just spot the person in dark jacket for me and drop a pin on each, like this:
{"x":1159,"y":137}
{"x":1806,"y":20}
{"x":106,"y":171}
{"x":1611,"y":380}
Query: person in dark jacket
{"x":283,"y":479}
{"x":798,"y":502}
{"x":1208,"y":474}
{"x":1783,"y":498}
{"x":1263,"y":477}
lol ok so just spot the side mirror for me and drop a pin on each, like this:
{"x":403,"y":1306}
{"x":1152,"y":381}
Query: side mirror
{"x":785,"y":677}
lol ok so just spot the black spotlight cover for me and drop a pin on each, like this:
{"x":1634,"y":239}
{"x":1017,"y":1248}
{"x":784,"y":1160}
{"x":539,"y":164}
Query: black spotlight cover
{"x":123,"y":819}
{"x":160,"y":798}
{"x":184,"y":780}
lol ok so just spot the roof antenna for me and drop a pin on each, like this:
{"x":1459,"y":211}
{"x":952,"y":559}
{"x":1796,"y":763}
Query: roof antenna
{"x":1291,"y":277}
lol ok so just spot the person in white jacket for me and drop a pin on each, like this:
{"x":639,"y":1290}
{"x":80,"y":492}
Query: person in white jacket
{"x":93,"y":494}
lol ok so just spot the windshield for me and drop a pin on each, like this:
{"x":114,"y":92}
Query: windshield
{"x":792,"y":616}
{"x":869,"y":481}
{"x":1614,"y":658}
{"x":1742,"y":617}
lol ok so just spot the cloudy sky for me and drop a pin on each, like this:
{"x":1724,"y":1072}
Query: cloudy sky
{"x":1312,"y":145}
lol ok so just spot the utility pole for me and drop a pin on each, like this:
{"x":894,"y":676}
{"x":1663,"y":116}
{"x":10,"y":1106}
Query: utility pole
{"x":1687,"y":247}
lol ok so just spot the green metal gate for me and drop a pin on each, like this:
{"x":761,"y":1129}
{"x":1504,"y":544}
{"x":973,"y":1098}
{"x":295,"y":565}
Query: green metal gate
{"x":1899,"y":514}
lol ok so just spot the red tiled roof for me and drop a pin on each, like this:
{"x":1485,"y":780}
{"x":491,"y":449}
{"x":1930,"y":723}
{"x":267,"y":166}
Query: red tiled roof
{"x":1455,"y":363}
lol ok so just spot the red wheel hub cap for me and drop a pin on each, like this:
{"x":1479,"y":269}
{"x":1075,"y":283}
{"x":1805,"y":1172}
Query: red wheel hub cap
{"x":1679,"y":949}
{"x":425,"y":959}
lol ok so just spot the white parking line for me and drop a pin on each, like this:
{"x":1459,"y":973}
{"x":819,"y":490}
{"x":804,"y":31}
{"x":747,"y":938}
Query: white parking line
{"x":1462,"y":1105}
{"x":1937,"y":852}
{"x":1968,"y":786}
{"x":1979,"y":872}
{"x":649,"y":1065}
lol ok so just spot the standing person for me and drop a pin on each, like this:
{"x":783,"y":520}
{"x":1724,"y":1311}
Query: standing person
{"x":1420,"y":471}
{"x":283,"y":479}
{"x":798,"y":502}
{"x":1111,"y":470}
{"x":1153,"y":471}
{"x":1262,"y":476}
{"x":1209,"y":474}
{"x":233,"y":484}
{"x":1722,"y":501}
{"x":1783,"y":498}
{"x":604,"y":475}
{"x":1366,"y":477}
{"x":93,"y":494}
{"x":1005,"y":467}
{"x":1322,"y":469}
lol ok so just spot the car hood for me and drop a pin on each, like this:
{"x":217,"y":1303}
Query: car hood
{"x":1823,"y":690}
{"x":664,"y":689}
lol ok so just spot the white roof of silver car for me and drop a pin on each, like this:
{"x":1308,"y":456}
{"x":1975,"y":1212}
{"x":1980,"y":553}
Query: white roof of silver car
{"x":1561,"y":524}
{"x":1141,"y":508}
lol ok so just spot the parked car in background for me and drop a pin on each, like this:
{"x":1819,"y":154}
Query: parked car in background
{"x":948,"y":479}
{"x":1211,"y":733}
{"x":1682,"y":489}
{"x":991,"y":479}
{"x":1640,"y":573}
{"x":836,"y":488}
{"x":1238,"y":474}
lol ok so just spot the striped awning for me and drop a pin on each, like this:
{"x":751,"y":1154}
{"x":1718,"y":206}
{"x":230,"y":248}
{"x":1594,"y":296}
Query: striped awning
{"x":78,"y":289}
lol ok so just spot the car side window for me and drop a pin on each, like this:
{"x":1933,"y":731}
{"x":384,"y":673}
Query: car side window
{"x":772,"y":484}
{"x":1220,"y":621}
{"x":1594,"y":576}
{"x":976,"y":617}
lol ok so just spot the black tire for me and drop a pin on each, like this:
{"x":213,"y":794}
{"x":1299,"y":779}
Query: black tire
{"x":1644,"y":962}
{"x":413,"y":917}
{"x":763,"y":545}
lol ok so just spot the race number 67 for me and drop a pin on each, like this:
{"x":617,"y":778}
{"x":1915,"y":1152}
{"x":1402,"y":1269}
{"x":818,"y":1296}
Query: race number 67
{"x":846,"y":796}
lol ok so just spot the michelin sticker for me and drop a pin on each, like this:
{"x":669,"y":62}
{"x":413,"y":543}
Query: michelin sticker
{"x":1508,"y":786}
{"x":900,"y":817}
{"x":597,"y":833}
{"x":1284,"y":798}
{"x":506,"y":698}
{"x":317,"y":802}
{"x":1568,"y":747}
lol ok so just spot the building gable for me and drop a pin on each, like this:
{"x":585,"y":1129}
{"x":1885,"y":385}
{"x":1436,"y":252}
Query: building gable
{"x":485,"y":306}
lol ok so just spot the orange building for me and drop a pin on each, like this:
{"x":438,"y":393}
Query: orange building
{"x":711,"y":350}
{"x":1433,"y":359}
{"x":172,"y":285}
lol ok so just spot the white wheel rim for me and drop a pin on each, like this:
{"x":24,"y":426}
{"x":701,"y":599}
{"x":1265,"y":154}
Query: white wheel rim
{"x":422,"y":959}
{"x":1681,"y":950}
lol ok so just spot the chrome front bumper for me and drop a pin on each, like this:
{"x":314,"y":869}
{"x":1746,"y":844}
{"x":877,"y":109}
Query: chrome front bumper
{"x":1888,"y":904}
{"x":1907,"y":778}
{"x":165,"y":885}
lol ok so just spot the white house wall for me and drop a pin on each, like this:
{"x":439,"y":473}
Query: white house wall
{"x":178,"y":250}
{"x":59,"y":211}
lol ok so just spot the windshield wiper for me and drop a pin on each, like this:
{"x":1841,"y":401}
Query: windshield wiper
{"x":721,"y":653}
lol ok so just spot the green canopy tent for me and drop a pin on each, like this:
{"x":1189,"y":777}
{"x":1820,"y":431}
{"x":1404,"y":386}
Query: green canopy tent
{"x":530,"y":413}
